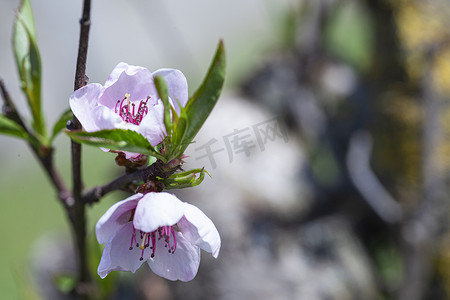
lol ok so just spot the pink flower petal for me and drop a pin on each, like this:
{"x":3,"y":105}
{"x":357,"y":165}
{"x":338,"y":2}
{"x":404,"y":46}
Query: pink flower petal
{"x":118,"y":70}
{"x":176,"y":85}
{"x":101,"y":107}
{"x":83,"y":101}
{"x":136,"y":81}
{"x":181,"y":265}
{"x":152,"y":125}
{"x":117,"y":255}
{"x":199,"y":230}
{"x":104,"y":118}
{"x":115,"y":217}
{"x":131,"y":155}
{"x":157,"y":209}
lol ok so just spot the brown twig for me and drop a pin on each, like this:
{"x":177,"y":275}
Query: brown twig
{"x":120,"y":183}
{"x":9,"y":109}
{"x":77,"y":213}
{"x":123,"y":182}
{"x":43,"y":154}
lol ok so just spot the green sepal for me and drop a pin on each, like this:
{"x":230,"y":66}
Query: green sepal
{"x":163,"y":93}
{"x":28,"y":62}
{"x":176,"y":125}
{"x":117,"y":139}
{"x":184,"y":179}
{"x":200,"y":105}
{"x":61,"y":123}
{"x":179,"y":132}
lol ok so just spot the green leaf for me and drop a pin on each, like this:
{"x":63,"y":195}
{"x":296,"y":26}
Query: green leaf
{"x":179,"y":133}
{"x":61,"y":123}
{"x":204,"y":99}
{"x":10,"y":127}
{"x":28,"y":62}
{"x":117,"y":139}
{"x":161,"y":87}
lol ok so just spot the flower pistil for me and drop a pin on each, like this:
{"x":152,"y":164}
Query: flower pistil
{"x":146,"y":238}
{"x":127,"y":110}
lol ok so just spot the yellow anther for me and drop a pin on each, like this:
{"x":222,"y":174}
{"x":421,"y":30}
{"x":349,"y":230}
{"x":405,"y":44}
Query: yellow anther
{"x":142,"y":246}
{"x":128,"y":99}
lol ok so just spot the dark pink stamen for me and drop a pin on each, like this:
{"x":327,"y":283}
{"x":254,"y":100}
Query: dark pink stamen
{"x":149,"y":240}
{"x":130,"y":114}
{"x":147,"y":244}
{"x":174,"y":247}
{"x":153,"y":244}
{"x":133,"y":239}
{"x":142,"y":255}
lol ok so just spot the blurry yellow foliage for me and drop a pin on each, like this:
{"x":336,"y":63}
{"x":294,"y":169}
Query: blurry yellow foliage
{"x":422,"y":23}
{"x":441,"y":71}
{"x":404,"y":108}
{"x":442,"y":262}
{"x":444,"y":149}
{"x":424,"y":30}
{"x":422,"y":26}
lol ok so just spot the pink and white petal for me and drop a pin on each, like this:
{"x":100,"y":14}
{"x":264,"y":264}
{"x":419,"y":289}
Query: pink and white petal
{"x":176,"y":84}
{"x":104,"y":118}
{"x":152,"y":125}
{"x":83,"y":101}
{"x":131,"y":155}
{"x":117,"y":255}
{"x":181,"y":265}
{"x":157,"y":209}
{"x":119,"y":69}
{"x":139,"y":84}
{"x":115,"y":217}
{"x":128,"y":155}
{"x":199,"y":230}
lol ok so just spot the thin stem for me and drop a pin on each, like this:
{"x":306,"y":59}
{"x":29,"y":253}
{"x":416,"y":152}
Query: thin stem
{"x":85,"y":23}
{"x":77,"y":214}
{"x":43,"y":154}
{"x":120,"y":183}
{"x":9,"y":109}
{"x":123,"y":182}
{"x":47,"y":163}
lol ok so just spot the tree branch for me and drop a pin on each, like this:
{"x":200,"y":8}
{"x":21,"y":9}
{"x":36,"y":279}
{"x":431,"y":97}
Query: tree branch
{"x":43,"y":154}
{"x":122,"y":182}
{"x":85,"y":23}
{"x":9,"y":109}
{"x":77,"y":213}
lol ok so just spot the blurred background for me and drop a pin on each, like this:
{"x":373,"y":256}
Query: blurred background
{"x":329,"y":149}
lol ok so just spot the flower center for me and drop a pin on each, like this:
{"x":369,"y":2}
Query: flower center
{"x":144,"y":240}
{"x":128,"y":112}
